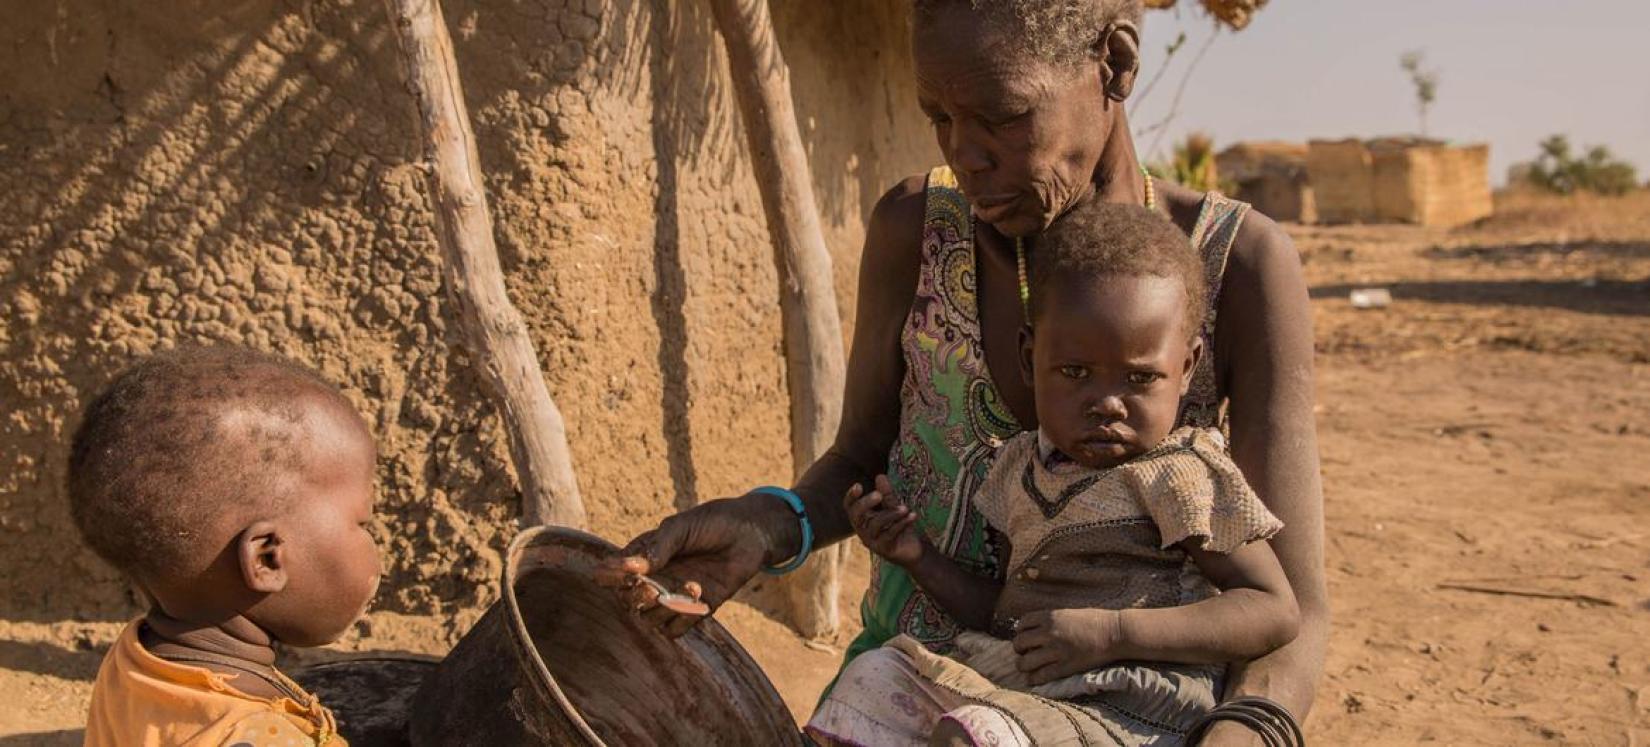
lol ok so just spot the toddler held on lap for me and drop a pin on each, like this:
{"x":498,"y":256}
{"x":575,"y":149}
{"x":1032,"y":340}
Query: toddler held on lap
{"x":234,"y":488}
{"x":1134,"y":554}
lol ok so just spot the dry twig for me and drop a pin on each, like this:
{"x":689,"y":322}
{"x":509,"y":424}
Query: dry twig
{"x":494,"y":330}
{"x":814,"y":365}
{"x":1586,"y":599}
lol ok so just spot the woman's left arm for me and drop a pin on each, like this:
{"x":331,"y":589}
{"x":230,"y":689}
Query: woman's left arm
{"x":1264,"y":346}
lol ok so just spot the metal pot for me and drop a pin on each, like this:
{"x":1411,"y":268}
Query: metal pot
{"x":561,"y":661}
{"x":370,"y":695}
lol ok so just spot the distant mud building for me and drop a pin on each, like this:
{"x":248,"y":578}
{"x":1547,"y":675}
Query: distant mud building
{"x":1272,"y":177}
{"x":1399,"y":180}
{"x":1388,"y":180}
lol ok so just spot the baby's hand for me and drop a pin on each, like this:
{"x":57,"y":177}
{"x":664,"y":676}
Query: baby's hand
{"x":1057,"y":643}
{"x":887,"y":527}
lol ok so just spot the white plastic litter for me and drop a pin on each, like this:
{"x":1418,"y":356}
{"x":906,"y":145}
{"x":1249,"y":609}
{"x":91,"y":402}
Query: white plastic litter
{"x":1371,"y":298}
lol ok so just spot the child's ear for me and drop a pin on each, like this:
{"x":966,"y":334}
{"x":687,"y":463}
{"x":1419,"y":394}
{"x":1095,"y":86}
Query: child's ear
{"x":1026,"y":366}
{"x":261,"y":548}
{"x":1194,"y":353}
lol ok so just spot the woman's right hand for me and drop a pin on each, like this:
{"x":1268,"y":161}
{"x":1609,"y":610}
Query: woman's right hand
{"x":718,"y":546}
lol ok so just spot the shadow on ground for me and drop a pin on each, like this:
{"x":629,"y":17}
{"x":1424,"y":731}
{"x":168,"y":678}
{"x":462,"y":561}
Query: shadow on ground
{"x":1535,"y":250}
{"x":1612,"y":297}
{"x":72,"y":737}
{"x":48,"y":659}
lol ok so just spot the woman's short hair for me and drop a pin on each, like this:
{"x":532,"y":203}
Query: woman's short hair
{"x":1057,"y":31}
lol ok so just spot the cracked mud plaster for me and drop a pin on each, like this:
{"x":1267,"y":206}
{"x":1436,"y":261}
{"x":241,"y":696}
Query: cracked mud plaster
{"x":180,"y":172}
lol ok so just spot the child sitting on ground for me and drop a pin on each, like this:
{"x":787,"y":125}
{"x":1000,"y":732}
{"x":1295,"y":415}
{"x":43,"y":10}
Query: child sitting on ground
{"x":1116,"y":529}
{"x":234,"y":489}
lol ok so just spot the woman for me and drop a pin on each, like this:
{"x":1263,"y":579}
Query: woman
{"x":1026,"y":100}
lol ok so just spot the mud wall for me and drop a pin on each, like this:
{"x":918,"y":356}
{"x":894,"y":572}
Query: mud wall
{"x":1433,"y":185}
{"x":1342,"y":184}
{"x":203,"y":171}
{"x":1272,"y":177}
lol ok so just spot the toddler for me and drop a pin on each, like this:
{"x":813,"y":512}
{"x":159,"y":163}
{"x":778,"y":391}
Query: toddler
{"x":1135,"y":554}
{"x":235,"y":490}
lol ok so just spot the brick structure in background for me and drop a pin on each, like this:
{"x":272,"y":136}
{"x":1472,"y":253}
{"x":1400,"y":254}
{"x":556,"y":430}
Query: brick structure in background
{"x":1272,"y":177}
{"x":1399,"y":180}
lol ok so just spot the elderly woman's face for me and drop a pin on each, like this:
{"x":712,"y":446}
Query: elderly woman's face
{"x":1023,"y":135}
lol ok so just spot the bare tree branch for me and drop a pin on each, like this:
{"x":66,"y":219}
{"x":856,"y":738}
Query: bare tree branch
{"x":1168,"y":59}
{"x":495,"y":332}
{"x":1161,"y":126}
{"x":813,"y":330}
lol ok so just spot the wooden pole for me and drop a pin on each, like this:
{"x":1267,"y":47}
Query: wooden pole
{"x":495,"y":331}
{"x":813,"y":330}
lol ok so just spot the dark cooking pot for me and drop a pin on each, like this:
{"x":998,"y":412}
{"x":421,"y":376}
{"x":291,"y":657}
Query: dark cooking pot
{"x":561,"y":661}
{"x":370,"y":695}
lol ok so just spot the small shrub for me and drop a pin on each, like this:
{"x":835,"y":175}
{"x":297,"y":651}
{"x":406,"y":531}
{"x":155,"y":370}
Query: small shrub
{"x":1424,"y":80}
{"x":1598,"y":170}
{"x":1193,"y":165}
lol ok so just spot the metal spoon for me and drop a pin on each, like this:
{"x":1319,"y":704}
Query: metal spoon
{"x":681,"y":604}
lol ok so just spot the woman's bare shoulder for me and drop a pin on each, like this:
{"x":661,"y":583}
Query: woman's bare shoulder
{"x":1262,"y":250}
{"x":1262,"y":245}
{"x":896,"y":220}
{"x":893,"y":240}
{"x":1264,"y":301}
{"x":1265,"y":266}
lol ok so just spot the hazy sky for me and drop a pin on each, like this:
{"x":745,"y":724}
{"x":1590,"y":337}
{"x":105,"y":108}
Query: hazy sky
{"x":1510,"y":73}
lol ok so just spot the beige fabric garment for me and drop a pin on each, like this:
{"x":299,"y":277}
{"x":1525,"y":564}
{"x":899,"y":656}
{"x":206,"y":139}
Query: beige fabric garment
{"x":1109,"y":538}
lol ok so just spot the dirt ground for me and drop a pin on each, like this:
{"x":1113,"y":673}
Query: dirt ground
{"x":1484,"y":443}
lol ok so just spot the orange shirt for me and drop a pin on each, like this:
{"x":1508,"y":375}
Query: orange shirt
{"x":142,"y":699}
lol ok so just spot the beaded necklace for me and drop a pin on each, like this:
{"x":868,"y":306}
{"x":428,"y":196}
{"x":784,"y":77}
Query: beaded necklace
{"x":1020,"y":249}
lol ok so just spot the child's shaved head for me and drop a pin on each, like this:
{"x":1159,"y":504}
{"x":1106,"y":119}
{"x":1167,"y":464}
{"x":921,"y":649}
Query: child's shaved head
{"x":184,"y":445}
{"x":1096,"y":239}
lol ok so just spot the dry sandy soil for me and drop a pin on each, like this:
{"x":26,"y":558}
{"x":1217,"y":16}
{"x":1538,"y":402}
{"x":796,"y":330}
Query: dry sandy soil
{"x":1486,"y":453}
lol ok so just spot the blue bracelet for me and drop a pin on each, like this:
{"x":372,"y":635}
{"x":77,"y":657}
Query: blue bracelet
{"x":795,"y":503}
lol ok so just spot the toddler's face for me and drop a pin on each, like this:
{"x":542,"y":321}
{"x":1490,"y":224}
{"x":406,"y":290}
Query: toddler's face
{"x":1108,"y":362}
{"x":333,"y":561}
